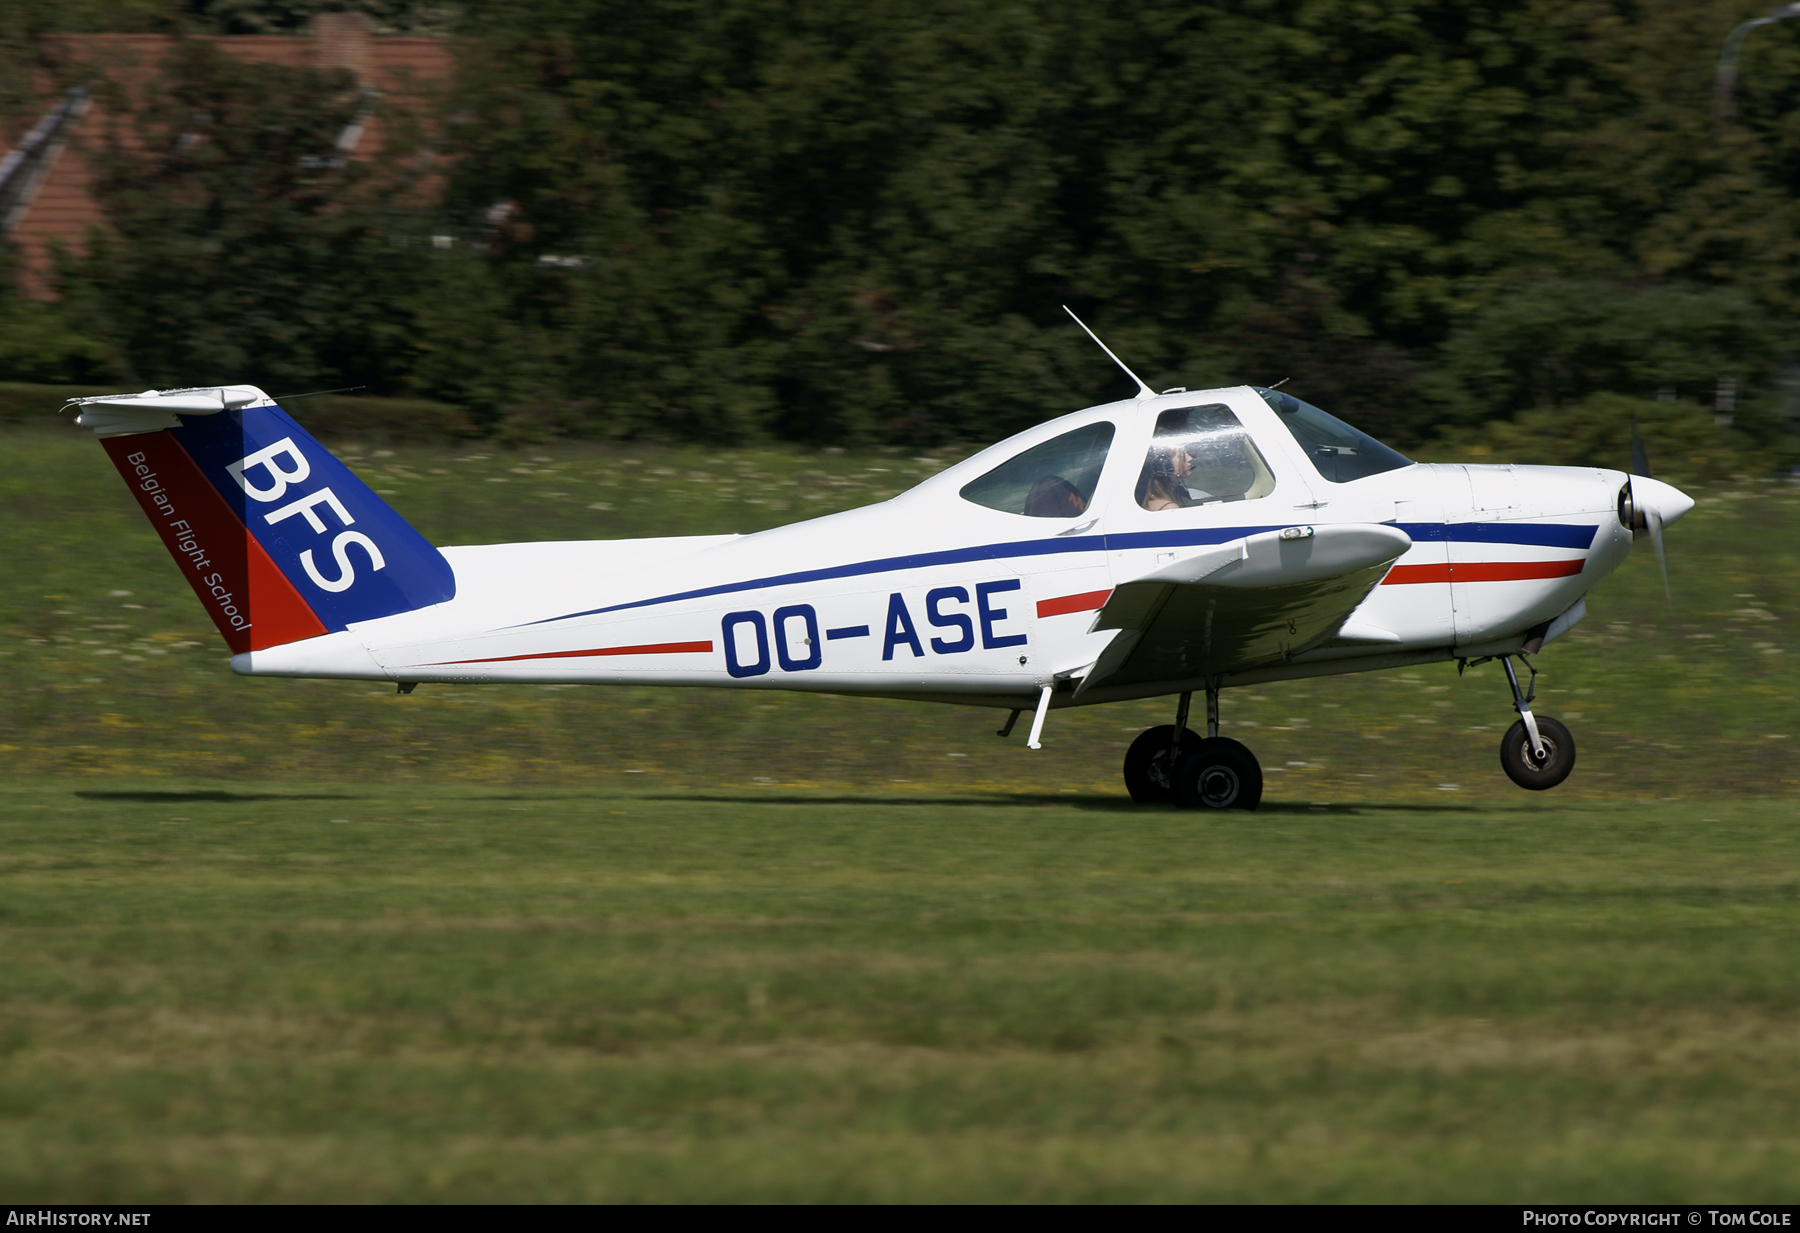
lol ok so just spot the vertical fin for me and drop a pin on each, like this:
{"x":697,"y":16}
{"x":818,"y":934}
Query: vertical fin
{"x":278,"y":539}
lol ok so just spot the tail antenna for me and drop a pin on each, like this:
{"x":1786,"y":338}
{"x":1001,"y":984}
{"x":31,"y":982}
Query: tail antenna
{"x":1144,"y":391}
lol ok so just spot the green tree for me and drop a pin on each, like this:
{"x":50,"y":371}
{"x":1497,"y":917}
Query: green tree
{"x":39,"y":343}
{"x":239,"y":245}
{"x":431,"y":17}
{"x":836,"y":221}
{"x":1556,"y":341}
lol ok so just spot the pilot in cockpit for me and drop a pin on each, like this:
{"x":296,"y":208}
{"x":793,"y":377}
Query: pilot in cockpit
{"x":1200,"y":459}
{"x":1162,"y":485}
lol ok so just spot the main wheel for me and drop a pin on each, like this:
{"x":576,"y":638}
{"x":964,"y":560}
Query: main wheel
{"x":1524,"y":769}
{"x":1147,"y":763}
{"x":1218,"y":774}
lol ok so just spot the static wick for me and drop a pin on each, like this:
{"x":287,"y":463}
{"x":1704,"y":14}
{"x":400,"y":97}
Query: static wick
{"x":348,"y":389}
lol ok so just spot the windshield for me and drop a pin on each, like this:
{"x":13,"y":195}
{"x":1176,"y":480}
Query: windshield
{"x":1053,"y":480}
{"x":1341,"y":453}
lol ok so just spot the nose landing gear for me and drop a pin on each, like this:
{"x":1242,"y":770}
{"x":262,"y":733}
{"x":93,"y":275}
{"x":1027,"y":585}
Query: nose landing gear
{"x":1537,"y":752}
{"x":1171,"y":763}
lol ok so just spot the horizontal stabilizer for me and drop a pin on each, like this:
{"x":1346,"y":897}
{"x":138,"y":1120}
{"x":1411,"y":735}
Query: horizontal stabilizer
{"x":204,"y":400}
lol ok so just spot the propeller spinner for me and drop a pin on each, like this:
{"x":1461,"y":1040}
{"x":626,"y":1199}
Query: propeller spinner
{"x":1648,"y":504}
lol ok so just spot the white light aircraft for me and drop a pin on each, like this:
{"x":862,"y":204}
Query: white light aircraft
{"x":1167,"y":544}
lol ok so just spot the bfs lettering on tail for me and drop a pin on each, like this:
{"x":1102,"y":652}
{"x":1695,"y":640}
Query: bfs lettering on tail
{"x":279,"y":480}
{"x":347,"y":555}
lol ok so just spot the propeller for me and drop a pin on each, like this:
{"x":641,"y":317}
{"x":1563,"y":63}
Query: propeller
{"x":1652,"y":517}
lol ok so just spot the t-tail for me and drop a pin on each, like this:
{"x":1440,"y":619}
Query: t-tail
{"x":278,"y":539}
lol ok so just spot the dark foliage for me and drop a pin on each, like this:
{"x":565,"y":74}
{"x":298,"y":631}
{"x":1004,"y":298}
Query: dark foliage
{"x":289,"y":16}
{"x":830,"y":221}
{"x":241,"y":247}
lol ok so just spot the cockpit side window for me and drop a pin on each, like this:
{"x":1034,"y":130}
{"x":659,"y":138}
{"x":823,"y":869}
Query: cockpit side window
{"x":1055,"y":479}
{"x":1341,"y":453}
{"x":1199,"y":456}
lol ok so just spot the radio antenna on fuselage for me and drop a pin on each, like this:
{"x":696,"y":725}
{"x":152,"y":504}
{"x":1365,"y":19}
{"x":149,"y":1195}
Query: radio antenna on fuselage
{"x":1144,"y":391}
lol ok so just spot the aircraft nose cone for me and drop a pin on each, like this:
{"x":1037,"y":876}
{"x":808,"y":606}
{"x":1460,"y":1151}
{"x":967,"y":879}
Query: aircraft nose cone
{"x":1668,"y":501}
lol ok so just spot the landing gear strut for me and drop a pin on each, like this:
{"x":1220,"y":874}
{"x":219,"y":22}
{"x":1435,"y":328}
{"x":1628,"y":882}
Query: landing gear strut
{"x":1171,"y":763}
{"x":1537,"y":752}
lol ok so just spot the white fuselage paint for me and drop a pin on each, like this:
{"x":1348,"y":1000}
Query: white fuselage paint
{"x":930,"y":596}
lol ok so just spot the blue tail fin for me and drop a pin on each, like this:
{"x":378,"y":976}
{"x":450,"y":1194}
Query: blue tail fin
{"x":263,"y":519}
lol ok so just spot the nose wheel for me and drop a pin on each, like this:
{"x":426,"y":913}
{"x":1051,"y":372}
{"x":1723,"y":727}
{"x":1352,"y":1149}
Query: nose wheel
{"x":1171,"y":763}
{"x":1537,"y":769}
{"x":1537,"y":752}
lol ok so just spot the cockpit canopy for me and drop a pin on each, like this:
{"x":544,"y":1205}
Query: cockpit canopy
{"x":1200,"y":454}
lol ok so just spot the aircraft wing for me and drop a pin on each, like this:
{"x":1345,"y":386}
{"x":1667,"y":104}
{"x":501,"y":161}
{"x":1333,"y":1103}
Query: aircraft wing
{"x":1259,"y":600}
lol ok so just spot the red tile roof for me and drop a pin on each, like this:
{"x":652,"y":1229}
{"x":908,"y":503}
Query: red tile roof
{"x":62,"y":210}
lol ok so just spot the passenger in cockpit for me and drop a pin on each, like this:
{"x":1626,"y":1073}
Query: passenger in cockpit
{"x":1160,"y":485}
{"x":1054,"y":497}
{"x":1188,"y":467}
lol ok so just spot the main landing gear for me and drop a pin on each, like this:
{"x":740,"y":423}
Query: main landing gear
{"x":1537,"y":752}
{"x":1172,"y":763}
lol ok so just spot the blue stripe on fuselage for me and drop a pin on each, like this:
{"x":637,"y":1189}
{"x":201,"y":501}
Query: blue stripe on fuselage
{"x":1535,"y":534}
{"x":886,"y":565}
{"x":1541,"y":534}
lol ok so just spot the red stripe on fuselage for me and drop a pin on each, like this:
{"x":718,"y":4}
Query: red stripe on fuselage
{"x":658,"y":648}
{"x":1086,"y":602}
{"x":247,"y":596}
{"x":1482,"y":571}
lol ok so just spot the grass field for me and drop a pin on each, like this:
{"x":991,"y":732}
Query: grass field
{"x":355,"y":993}
{"x":266,"y":940}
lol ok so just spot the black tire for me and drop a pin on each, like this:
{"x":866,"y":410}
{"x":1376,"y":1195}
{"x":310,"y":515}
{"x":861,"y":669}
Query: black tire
{"x":1147,"y":763}
{"x":1218,"y":774}
{"x":1526,"y":771}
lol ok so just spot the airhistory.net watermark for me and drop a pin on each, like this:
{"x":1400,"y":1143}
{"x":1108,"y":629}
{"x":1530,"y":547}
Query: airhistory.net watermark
{"x":48,"y":1218}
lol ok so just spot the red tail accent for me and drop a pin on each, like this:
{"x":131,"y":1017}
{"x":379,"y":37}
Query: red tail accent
{"x":249,"y":599}
{"x":659,"y":648}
